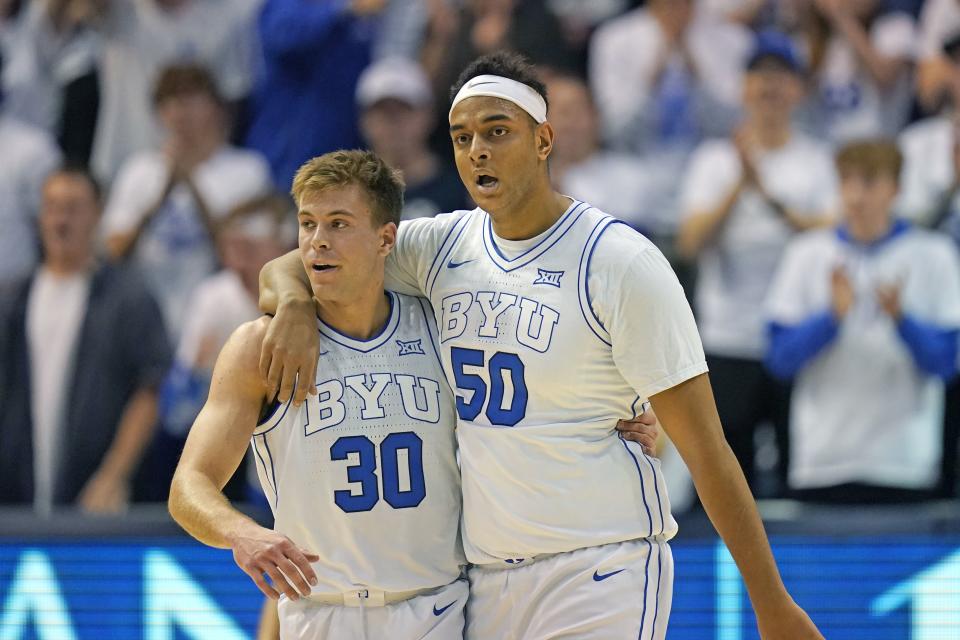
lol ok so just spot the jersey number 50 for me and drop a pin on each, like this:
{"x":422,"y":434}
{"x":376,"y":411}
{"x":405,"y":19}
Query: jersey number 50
{"x":365,"y":470}
{"x":500,"y":365}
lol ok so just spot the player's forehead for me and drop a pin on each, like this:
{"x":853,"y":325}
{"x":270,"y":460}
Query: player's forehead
{"x":478,"y":110}
{"x":340,"y":199}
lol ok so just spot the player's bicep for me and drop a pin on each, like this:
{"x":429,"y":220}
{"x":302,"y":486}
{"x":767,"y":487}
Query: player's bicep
{"x":688,"y":415}
{"x":219,"y":436}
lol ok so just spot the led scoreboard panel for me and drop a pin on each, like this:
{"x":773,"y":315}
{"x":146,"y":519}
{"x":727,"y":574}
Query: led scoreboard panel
{"x":883,"y":587}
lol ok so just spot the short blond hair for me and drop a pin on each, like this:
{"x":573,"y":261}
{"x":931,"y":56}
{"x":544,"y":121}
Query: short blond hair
{"x":381,"y":182}
{"x":874,"y":158}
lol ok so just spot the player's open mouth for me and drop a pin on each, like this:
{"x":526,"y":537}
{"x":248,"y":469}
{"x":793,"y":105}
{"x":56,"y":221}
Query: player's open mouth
{"x":321,"y":267}
{"x":487,"y":183}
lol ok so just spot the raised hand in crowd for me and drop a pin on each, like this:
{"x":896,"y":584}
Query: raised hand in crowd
{"x":367,"y":7}
{"x":841,"y":292}
{"x":888,"y":297}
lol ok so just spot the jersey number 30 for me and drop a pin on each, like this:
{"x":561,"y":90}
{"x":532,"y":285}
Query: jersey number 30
{"x":365,"y":471}
{"x":500,"y":366}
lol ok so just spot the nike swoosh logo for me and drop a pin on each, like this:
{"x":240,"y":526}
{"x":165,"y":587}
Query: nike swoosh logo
{"x":438,"y":612}
{"x":454,"y":265}
{"x":600,"y":577}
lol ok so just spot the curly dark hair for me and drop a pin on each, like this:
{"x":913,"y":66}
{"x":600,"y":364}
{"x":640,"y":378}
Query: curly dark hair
{"x":502,"y":63}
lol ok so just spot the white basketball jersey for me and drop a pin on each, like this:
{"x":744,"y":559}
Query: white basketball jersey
{"x":365,"y":474}
{"x":539,"y":382}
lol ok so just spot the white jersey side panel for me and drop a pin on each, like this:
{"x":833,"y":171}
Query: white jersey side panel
{"x":364,"y":473}
{"x":538,"y":394}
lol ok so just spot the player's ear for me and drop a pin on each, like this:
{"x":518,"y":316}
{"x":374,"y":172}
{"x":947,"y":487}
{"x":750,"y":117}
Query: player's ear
{"x":388,"y":238}
{"x":544,"y":136}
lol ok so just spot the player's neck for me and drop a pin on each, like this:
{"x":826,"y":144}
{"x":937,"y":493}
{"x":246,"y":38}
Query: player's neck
{"x":532,"y":216}
{"x":363,"y":317}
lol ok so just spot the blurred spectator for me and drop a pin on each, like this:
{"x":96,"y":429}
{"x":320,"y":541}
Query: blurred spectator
{"x":303,"y":105}
{"x":83,"y":351}
{"x":866,"y":318}
{"x":930,"y":192}
{"x":614,"y":182}
{"x":252,"y":234}
{"x":27,"y":155}
{"x":455,"y":36}
{"x":10,"y":11}
{"x":664,"y":76}
{"x":141,"y":37}
{"x":396,"y":117}
{"x":51,"y":78}
{"x":757,"y":14}
{"x":578,"y":19}
{"x":939,"y":24}
{"x":860,"y":60}
{"x":166,"y":204}
{"x":743,"y":199}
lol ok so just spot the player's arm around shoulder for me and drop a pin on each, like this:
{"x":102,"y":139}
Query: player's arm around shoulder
{"x":213,"y":451}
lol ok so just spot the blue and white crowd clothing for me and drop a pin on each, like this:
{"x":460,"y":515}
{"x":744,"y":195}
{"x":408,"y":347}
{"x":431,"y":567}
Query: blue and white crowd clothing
{"x":175,"y":252}
{"x":736,"y":268}
{"x":866,"y":385}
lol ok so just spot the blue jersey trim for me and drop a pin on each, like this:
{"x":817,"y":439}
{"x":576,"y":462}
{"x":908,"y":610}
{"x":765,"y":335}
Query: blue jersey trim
{"x":262,"y":428}
{"x":442,"y":244}
{"x":263,"y":463}
{"x":643,"y":491}
{"x":656,"y":602}
{"x":273,"y":474}
{"x":432,"y":280}
{"x":433,"y":343}
{"x":653,"y":469}
{"x":373,"y":343}
{"x":566,"y":223}
{"x":583,"y":285}
{"x":561,"y":221}
{"x":646,"y":583}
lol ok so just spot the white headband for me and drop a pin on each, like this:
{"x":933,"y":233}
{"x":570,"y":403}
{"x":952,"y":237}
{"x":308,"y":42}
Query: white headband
{"x":499,"y":87}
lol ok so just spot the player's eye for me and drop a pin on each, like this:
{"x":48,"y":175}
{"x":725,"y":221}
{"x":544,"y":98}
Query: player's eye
{"x":461,"y":139}
{"x":338,"y":224}
{"x":306,"y":224}
{"x":499,"y":131}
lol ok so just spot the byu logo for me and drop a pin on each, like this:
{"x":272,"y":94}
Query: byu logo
{"x":410,"y":347}
{"x":551,"y":278}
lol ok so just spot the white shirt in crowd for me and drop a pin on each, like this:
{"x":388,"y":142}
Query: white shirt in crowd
{"x":843,"y":399}
{"x":928,"y":168}
{"x":939,"y":22}
{"x":624,"y":58}
{"x":735,"y":270}
{"x":27,"y":156}
{"x":175,"y":252}
{"x":849,"y":103}
{"x":139,"y":40}
{"x":617,"y":183}
{"x":40,"y":62}
{"x":56,"y":307}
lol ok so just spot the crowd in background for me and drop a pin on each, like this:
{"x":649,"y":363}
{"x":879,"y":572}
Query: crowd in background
{"x":797,"y":160}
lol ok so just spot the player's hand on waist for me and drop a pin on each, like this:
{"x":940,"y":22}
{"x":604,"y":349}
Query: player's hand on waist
{"x":258,"y":551}
{"x":290,"y":347}
{"x":643,"y":429}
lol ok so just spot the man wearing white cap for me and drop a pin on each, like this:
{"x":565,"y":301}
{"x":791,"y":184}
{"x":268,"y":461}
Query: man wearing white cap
{"x":554,"y":319}
{"x":396,"y":116}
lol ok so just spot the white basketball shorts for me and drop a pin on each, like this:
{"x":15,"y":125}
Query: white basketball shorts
{"x":435,"y":616}
{"x":612,"y":592}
